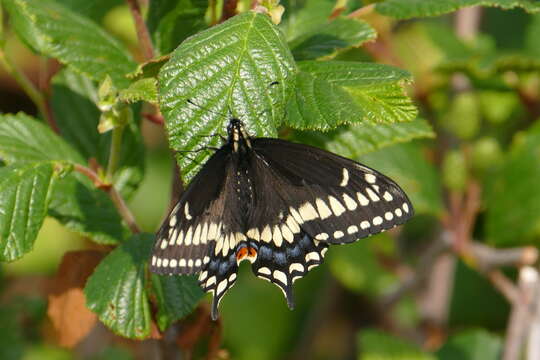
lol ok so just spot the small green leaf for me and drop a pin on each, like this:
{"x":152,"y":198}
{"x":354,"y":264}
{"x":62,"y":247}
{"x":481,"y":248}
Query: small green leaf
{"x":140,"y":90}
{"x":116,"y":291}
{"x":229,"y":66}
{"x":334,"y":36}
{"x":400,"y":9}
{"x":516,"y":188}
{"x":25,"y":191}
{"x":311,"y":34}
{"x":405,"y":164}
{"x":339,"y":92}
{"x":24,"y":139}
{"x":53,"y":30}
{"x":471,"y":345}
{"x":376,"y":345}
{"x":176,"y":297}
{"x":172,"y":21}
{"x":88,"y":211}
{"x":356,"y":140}
{"x":149,"y":69}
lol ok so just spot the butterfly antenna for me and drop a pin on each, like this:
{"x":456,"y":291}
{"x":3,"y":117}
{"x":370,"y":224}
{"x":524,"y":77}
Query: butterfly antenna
{"x":204,"y":107}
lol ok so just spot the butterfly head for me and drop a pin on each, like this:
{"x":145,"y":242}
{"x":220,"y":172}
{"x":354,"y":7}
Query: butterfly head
{"x":238,"y":136}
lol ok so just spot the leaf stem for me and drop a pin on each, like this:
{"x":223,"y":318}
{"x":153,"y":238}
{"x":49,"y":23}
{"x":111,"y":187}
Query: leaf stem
{"x":116,"y":198}
{"x":142,"y":31}
{"x":364,"y":10}
{"x":114,"y":154}
{"x":29,"y":88}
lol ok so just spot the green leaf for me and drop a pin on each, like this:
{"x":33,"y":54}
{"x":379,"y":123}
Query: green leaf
{"x":376,"y":345}
{"x":311,"y":34}
{"x":356,"y":140}
{"x":339,"y":92}
{"x":176,"y":297}
{"x":229,"y":66}
{"x":400,"y":9}
{"x":475,"y":344}
{"x":516,"y":188}
{"x":140,"y":90}
{"x":406,"y":165}
{"x":23,"y":139}
{"x":53,"y":30}
{"x":82,"y":208}
{"x":149,"y":69}
{"x":172,"y":21}
{"x":357,"y":268}
{"x":116,"y":291}
{"x":25,"y":191}
{"x":79,"y":125}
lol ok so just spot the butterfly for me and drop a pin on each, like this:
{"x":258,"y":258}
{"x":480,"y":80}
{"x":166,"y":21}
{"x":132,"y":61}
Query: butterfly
{"x":277,"y":204}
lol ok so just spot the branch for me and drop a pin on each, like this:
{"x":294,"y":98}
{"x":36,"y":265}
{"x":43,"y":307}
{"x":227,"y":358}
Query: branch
{"x":116,"y":198}
{"x":142,"y":31}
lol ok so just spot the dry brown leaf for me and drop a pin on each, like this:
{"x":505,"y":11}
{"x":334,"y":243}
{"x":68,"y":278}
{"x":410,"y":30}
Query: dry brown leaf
{"x":71,"y":319}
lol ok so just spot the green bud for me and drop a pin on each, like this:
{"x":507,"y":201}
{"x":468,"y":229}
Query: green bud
{"x":463,"y":117}
{"x":107,"y":94}
{"x":486,"y":153}
{"x":454,"y":171}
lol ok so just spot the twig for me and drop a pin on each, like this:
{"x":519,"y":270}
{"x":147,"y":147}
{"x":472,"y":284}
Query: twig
{"x":504,"y":285}
{"x":154,"y":118}
{"x":28,"y":87}
{"x":467,"y":21}
{"x":114,"y":153}
{"x":533,"y":341}
{"x":520,"y":318}
{"x":116,"y":198}
{"x":229,"y":9}
{"x":142,"y":31}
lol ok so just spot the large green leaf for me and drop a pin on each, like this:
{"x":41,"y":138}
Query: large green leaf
{"x":172,"y":21}
{"x":405,"y":164}
{"x":339,"y":92}
{"x":356,"y":140}
{"x":400,"y":9}
{"x":23,"y":139}
{"x":79,"y":121}
{"x":376,"y":345}
{"x":25,"y":191}
{"x":229,"y":66}
{"x":78,"y":205}
{"x":471,"y":345}
{"x":176,"y":297}
{"x":513,"y":201}
{"x":116,"y":291}
{"x":53,"y":30}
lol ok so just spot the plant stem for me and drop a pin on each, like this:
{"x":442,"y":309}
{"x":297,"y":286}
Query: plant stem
{"x":114,"y":154}
{"x":364,"y":10}
{"x":116,"y":198}
{"x":142,"y":31}
{"x":28,"y":87}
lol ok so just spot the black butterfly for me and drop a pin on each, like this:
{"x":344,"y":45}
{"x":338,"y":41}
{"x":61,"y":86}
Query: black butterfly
{"x":277,"y":204}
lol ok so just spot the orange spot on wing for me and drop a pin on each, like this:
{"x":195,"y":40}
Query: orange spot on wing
{"x":241,"y":254}
{"x":252,"y":252}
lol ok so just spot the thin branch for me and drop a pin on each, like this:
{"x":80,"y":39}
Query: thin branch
{"x":28,"y":87}
{"x":114,"y":154}
{"x":142,"y":31}
{"x":229,"y":9}
{"x":116,"y":198}
{"x":520,"y":318}
{"x":504,"y":285}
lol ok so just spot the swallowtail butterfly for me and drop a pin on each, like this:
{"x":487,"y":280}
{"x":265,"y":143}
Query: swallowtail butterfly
{"x":277,"y":204}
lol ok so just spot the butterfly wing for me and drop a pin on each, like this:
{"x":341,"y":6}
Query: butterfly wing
{"x":338,"y":200}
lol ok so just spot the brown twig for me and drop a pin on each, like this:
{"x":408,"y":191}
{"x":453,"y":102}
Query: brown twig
{"x":116,"y":198}
{"x":142,"y":31}
{"x":229,"y":9}
{"x":504,"y":285}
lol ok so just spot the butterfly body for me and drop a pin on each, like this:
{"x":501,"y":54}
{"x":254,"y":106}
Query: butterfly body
{"x":278,"y":205}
